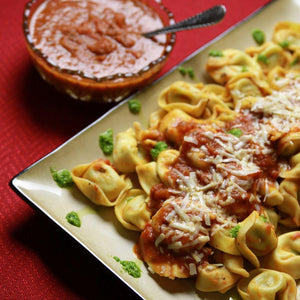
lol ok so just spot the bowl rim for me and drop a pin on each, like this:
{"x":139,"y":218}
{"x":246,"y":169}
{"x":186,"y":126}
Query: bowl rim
{"x":171,"y":37}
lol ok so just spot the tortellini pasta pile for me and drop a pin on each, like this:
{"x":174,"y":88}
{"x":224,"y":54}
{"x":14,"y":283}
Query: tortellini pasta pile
{"x":213,"y":183}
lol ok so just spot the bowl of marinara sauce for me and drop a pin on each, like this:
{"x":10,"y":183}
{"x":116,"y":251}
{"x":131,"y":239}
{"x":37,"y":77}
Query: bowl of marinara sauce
{"x":93,"y":50}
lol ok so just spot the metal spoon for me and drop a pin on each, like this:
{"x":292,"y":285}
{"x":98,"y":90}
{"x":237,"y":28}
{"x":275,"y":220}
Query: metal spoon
{"x":206,"y":18}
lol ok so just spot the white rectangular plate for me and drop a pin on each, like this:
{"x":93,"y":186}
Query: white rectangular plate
{"x":100,"y":233}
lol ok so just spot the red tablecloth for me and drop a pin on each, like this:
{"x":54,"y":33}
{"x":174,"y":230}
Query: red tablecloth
{"x":37,"y":260}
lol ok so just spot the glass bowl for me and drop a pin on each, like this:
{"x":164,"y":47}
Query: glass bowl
{"x":85,"y":85}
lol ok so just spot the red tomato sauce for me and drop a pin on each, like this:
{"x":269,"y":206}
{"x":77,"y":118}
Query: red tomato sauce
{"x":242,"y":121}
{"x":97,"y":37}
{"x":158,"y":194}
{"x":238,"y":201}
{"x":147,"y":251}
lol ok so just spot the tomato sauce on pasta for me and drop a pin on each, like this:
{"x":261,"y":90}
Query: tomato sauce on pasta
{"x":211,"y":204}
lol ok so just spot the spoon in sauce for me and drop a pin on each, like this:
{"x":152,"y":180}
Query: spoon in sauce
{"x":206,"y":18}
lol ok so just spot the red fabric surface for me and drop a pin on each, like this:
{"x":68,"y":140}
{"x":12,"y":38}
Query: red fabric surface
{"x":37,"y":260}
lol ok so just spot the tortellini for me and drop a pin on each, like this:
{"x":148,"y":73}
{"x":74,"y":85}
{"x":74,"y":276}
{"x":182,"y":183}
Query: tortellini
{"x":287,"y":33}
{"x":290,"y":207}
{"x":231,"y":63}
{"x":272,"y":216}
{"x":270,"y":194}
{"x":213,"y":182}
{"x":286,"y":256}
{"x":234,"y":263}
{"x":294,"y":65}
{"x":217,"y":110}
{"x":223,"y":241}
{"x":219,"y":91}
{"x":269,"y":55}
{"x":131,"y":210}
{"x":164,"y":161}
{"x":127,"y":154}
{"x":156,"y":261}
{"x":168,"y":124}
{"x":289,"y":144}
{"x":256,"y":237}
{"x":246,"y":84}
{"x":221,"y":275}
{"x":267,"y":285}
{"x":184,"y":96}
{"x":216,"y":278}
{"x":146,"y":139}
{"x":100,"y":182}
{"x":294,"y":171}
{"x":196,"y":101}
{"x":155,"y":118}
{"x":148,"y":176}
{"x":279,"y":78}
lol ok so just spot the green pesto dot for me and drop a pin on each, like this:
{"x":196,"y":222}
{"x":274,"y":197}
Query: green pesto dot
{"x":62,"y":177}
{"x":182,"y":70}
{"x":73,"y":218}
{"x":261,"y":57}
{"x":234,"y":231}
{"x":191,"y":73}
{"x":259,"y":36}
{"x":159,"y":147}
{"x":129,"y":266}
{"x":215,"y":53}
{"x":106,"y":142}
{"x":116,"y":258}
{"x":134,"y":106}
{"x":235,"y":131}
{"x":284,"y":44}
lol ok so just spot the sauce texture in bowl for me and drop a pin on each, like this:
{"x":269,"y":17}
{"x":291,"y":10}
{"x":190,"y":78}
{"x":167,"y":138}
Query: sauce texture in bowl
{"x":93,"y":50}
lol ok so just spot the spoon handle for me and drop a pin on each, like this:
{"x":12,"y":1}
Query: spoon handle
{"x":206,"y":18}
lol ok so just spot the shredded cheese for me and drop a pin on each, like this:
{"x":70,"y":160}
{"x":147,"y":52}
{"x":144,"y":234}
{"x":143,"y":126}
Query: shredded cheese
{"x":199,"y":207}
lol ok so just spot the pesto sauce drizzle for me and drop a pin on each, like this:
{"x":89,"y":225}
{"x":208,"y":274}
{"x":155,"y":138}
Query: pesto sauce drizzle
{"x":159,"y":147}
{"x":235,"y":131}
{"x":134,"y":106}
{"x":129,"y":266}
{"x":73,"y":218}
{"x":259,"y":36}
{"x":234,"y":231}
{"x":106,"y":141}
{"x":62,"y":177}
{"x":189,"y":71}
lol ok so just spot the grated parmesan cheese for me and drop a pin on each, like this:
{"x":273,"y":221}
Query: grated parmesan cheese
{"x":198,"y":209}
{"x":193,"y":269}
